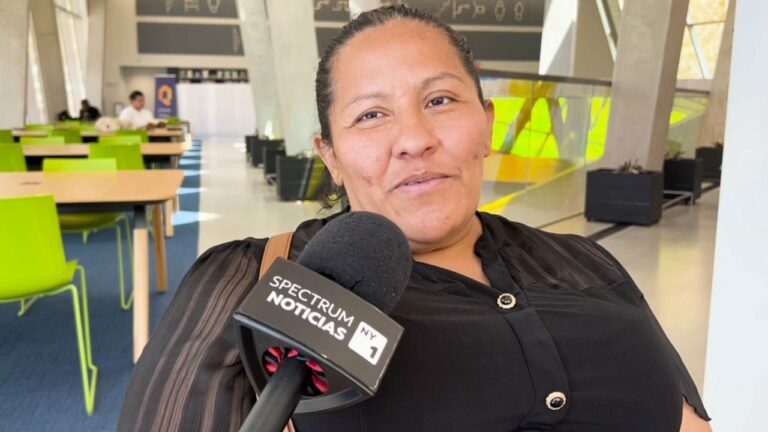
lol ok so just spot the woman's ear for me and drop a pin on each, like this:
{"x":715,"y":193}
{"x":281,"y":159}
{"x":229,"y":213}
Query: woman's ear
{"x":490,"y":116}
{"x":325,"y":150}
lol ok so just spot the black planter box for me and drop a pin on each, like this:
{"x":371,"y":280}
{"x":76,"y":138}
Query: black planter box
{"x":712,"y":158}
{"x":249,"y":141}
{"x":683,"y":175}
{"x":269,"y":155}
{"x":256,"y":148}
{"x":624,"y":198}
{"x":299,"y":178}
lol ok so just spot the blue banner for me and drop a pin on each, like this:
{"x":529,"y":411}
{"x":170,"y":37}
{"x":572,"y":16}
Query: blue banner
{"x":165,"y":96}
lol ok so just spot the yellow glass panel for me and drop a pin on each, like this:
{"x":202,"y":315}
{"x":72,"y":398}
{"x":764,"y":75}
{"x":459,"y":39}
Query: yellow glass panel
{"x":710,"y":36}
{"x":689,"y":66}
{"x":704,"y":11}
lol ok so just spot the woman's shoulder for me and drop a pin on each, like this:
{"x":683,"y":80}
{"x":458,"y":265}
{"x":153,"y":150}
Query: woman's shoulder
{"x":555,"y":257}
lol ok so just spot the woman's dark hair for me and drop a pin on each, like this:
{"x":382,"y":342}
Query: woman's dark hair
{"x":366,"y":20}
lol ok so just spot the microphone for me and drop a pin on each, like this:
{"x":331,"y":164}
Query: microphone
{"x":314,"y":335}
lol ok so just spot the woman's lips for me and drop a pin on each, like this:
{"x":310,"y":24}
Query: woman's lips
{"x":421,"y":183}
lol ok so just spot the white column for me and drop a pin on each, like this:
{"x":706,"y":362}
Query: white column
{"x":294,"y":53}
{"x":737,"y":353}
{"x":49,"y":49}
{"x":261,"y":71}
{"x":574,"y":42}
{"x":713,"y":126}
{"x":94,"y":71}
{"x":644,"y":81}
{"x":13,"y":62}
{"x":356,"y":7}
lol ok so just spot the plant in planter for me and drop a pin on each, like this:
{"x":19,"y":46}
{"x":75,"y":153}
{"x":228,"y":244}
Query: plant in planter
{"x":681,"y":174}
{"x":629,"y":194}
{"x":712,"y":160}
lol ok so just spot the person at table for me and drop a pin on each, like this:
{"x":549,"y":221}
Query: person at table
{"x":507,"y":327}
{"x":135,"y":116}
{"x":88,"y":112}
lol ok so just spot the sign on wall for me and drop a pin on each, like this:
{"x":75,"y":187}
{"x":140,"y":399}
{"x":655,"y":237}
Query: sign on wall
{"x":468,"y":12}
{"x":187,"y":8}
{"x":200,"y":39}
{"x":165,"y":96}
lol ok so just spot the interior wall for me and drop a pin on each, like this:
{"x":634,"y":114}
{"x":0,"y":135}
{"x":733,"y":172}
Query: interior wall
{"x":122,"y":58}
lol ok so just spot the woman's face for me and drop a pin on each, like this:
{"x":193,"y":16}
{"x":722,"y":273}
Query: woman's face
{"x":409,"y":132}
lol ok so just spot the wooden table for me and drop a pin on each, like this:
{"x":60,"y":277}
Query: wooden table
{"x":172,"y":151}
{"x":169,"y":134}
{"x":117,"y":191}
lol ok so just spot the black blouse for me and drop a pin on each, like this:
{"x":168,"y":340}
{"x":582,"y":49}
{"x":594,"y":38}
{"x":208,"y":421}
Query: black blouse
{"x":562,"y":340}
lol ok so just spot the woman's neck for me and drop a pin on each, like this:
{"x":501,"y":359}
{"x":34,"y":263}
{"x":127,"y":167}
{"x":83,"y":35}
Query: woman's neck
{"x":459,"y":256}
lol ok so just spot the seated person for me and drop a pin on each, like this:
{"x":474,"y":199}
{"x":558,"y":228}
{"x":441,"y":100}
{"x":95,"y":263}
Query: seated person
{"x":135,"y":116}
{"x":88,"y":113}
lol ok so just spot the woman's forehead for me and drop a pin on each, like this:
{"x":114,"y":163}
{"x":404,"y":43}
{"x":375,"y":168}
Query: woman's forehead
{"x":399,"y":51}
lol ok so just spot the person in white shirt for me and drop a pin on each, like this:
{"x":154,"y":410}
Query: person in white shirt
{"x":135,"y":116}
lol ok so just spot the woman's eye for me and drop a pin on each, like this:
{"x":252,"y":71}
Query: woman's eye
{"x":370,"y":116}
{"x":440,"y":100}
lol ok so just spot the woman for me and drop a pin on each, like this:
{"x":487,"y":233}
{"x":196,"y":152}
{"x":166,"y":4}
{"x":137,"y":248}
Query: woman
{"x":507,"y":328}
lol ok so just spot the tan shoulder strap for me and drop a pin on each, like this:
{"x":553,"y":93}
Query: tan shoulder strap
{"x":277,"y":247}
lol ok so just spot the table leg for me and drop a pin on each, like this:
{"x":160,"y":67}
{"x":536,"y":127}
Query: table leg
{"x":159,"y":241}
{"x":168,"y":217}
{"x":140,"y":282}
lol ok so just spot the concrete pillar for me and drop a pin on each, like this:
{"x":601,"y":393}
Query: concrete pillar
{"x":13,"y":62}
{"x":261,"y":71}
{"x":735,"y":373}
{"x":644,"y":80}
{"x":49,"y":49}
{"x":713,"y":126}
{"x":574,"y":42}
{"x":94,"y":70}
{"x":294,"y":53}
{"x":356,"y":7}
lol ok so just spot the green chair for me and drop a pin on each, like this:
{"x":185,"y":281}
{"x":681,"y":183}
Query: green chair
{"x":71,"y":136}
{"x":12,"y":158}
{"x":6,"y":136}
{"x":39,"y":127}
{"x":128,"y":156}
{"x":34,"y":266}
{"x":86,"y":223}
{"x":42,"y":140}
{"x":134,"y":132}
{"x":120,"y":139}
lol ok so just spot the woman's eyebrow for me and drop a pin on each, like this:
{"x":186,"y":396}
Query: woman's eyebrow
{"x":365,"y":96}
{"x":445,"y":75}
{"x":424,"y":84}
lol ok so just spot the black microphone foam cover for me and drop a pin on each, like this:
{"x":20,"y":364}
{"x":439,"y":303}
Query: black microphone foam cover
{"x":364,"y":252}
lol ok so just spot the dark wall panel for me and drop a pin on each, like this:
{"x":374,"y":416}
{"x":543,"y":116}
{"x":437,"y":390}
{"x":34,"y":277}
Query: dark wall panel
{"x":187,"y":8}
{"x":196,"y":39}
{"x":505,"y":46}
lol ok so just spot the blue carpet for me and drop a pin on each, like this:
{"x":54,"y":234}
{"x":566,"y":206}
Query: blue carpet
{"x":40,"y":384}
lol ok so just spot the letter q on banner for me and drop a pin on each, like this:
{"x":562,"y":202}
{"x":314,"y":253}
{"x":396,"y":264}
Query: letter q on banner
{"x":165,"y":96}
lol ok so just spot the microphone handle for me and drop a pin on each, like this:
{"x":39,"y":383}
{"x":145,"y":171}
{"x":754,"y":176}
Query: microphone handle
{"x":279,"y":398}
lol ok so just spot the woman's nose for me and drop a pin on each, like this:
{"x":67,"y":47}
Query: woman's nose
{"x":416,"y":138}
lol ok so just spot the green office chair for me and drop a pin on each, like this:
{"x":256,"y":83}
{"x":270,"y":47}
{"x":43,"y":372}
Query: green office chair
{"x":85,"y":223}
{"x":39,"y":127}
{"x":34,"y":266}
{"x":128,"y":156}
{"x":120,"y":139}
{"x":12,"y":158}
{"x":134,"y":132}
{"x":6,"y":136}
{"x":71,"y":136}
{"x":42,"y":140}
